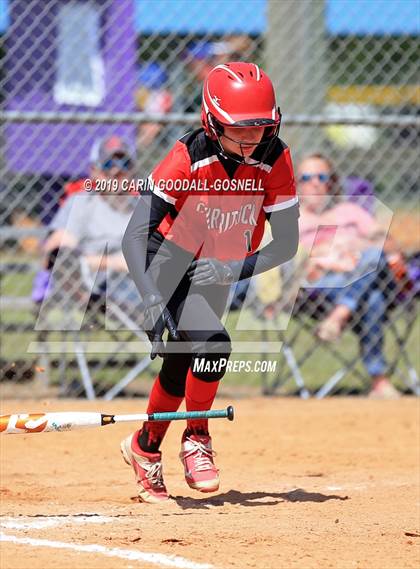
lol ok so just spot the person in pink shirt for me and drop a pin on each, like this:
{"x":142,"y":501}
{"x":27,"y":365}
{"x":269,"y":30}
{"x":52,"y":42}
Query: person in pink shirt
{"x":345,"y":264}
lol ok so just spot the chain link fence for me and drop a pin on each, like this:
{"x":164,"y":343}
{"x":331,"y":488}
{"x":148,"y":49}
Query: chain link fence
{"x":73,"y":74}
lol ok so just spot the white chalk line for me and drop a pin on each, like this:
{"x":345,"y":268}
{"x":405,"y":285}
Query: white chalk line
{"x":155,"y":558}
{"x":51,"y":521}
{"x":160,"y":559}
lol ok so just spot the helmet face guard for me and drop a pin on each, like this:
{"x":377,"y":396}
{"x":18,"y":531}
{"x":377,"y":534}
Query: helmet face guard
{"x":261,"y":148}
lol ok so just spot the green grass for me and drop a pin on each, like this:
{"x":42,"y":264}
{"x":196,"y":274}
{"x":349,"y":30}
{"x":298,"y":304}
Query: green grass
{"x":321,"y":365}
{"x":316,"y":369}
{"x":17,"y":284}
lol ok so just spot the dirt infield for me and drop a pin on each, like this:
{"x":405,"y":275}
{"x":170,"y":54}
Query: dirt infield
{"x":312,"y":484}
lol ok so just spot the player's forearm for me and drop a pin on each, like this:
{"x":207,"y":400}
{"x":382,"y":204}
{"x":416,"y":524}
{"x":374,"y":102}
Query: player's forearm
{"x":282,"y":248}
{"x":270,"y":256}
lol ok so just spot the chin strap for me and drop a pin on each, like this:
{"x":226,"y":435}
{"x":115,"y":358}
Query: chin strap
{"x":217,"y":129}
{"x":241,"y":159}
{"x":235,"y":157}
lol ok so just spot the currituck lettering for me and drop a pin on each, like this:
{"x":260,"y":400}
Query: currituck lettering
{"x":221,"y":220}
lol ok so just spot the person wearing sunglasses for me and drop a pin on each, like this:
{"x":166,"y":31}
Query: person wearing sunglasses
{"x":89,"y":225}
{"x":345,"y":264}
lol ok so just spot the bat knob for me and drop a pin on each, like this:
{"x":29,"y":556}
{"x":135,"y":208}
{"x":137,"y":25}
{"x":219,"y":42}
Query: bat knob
{"x":230,"y":413}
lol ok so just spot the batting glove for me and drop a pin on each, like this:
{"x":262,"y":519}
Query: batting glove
{"x":210,"y":272}
{"x":157,"y":318}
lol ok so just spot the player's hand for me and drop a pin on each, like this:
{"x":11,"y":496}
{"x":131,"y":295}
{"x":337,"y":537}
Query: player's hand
{"x":157,"y":318}
{"x":210,"y":272}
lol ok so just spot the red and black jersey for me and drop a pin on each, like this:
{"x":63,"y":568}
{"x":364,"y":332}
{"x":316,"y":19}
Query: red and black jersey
{"x":222,"y":215}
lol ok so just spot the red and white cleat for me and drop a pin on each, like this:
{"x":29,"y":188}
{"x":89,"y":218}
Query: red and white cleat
{"x":197,"y":457}
{"x":147,"y":468}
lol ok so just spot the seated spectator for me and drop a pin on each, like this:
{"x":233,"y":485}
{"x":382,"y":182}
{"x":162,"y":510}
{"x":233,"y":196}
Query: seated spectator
{"x":90,"y":226}
{"x":352,"y":275}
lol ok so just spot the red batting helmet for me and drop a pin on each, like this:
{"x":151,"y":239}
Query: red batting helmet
{"x":239,"y":94}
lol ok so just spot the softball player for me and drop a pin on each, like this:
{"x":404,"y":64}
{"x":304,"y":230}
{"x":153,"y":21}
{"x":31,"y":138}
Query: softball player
{"x":195,"y":232}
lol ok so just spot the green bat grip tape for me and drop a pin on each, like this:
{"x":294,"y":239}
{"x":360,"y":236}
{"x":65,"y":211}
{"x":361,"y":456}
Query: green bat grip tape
{"x":178,"y":415}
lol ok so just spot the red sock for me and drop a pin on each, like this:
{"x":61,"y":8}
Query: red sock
{"x":199,"y":396}
{"x":159,"y":401}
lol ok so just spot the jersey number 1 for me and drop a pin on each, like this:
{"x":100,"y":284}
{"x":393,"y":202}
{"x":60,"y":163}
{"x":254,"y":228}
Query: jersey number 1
{"x":248,"y":236}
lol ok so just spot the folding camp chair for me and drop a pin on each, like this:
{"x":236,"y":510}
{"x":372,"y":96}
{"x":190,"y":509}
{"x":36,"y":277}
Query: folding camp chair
{"x":66,"y":311}
{"x":308,"y":309}
{"x":309,"y":306}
